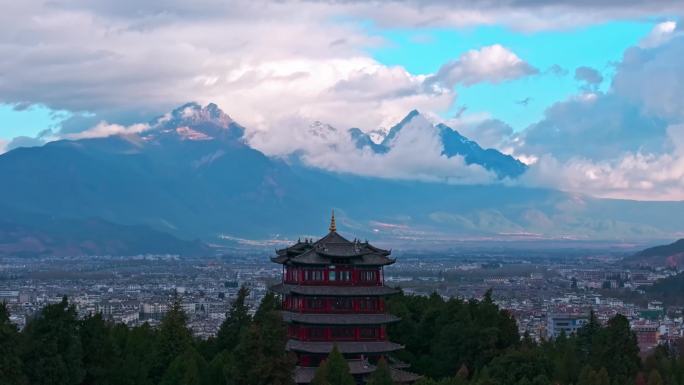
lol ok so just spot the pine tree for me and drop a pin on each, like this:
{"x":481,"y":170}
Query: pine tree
{"x":602,"y":377}
{"x":463,"y":372}
{"x":640,"y":379}
{"x":382,"y":375}
{"x":219,"y":370}
{"x":237,"y":322}
{"x":586,"y":335}
{"x":188,"y":368}
{"x":98,"y":350}
{"x":138,"y":353}
{"x":10,"y":361}
{"x":174,"y":338}
{"x":654,"y":378}
{"x":615,"y":348}
{"x":260,"y":357}
{"x":587,"y":376}
{"x":321,"y":374}
{"x":247,"y":357}
{"x":268,"y":305}
{"x":338,"y":369}
{"x":52,"y":347}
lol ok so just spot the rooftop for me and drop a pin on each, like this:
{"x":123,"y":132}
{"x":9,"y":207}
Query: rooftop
{"x":345,"y":347}
{"x":333,"y":246}
{"x":351,"y":291}
{"x":339,"y":319}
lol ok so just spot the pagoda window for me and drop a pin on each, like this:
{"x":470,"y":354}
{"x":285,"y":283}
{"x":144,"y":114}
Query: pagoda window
{"x":315,"y":303}
{"x":293,"y":331}
{"x":317,"y":333}
{"x":292,"y":274}
{"x":331,"y":275}
{"x":313,"y":275}
{"x":369,"y":275}
{"x":368,"y":304}
{"x":344,"y":275}
{"x":342,"y":304}
{"x":344,"y":333}
{"x":369,"y":332}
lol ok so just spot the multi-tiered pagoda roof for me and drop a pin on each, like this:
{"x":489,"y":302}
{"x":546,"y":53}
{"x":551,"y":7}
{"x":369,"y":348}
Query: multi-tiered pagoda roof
{"x":333,"y":247}
{"x":333,"y":295}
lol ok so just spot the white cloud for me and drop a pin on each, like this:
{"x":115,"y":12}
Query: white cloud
{"x":416,"y":154}
{"x":590,"y":77}
{"x":653,"y":78}
{"x":104,"y":129}
{"x":518,"y":14}
{"x":625,"y":143}
{"x":661,"y":33}
{"x":641,"y":176}
{"x":3,"y":146}
{"x":262,"y":61}
{"x":276,"y":66}
{"x":486,"y":131}
{"x":492,"y":64}
{"x":595,"y":126}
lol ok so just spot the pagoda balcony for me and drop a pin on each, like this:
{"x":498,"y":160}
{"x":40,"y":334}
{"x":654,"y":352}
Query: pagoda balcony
{"x":333,"y":276}
{"x":338,"y":319}
{"x":337,"y":333}
{"x":345,"y":347}
{"x":334,"y":291}
{"x":334,"y":305}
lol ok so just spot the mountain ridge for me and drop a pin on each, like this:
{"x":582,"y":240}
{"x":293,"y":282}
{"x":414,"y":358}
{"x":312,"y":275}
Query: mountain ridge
{"x":671,"y":255}
{"x":32,"y":235}
{"x":196,"y":188}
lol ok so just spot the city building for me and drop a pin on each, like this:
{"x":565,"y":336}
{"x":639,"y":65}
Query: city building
{"x":333,"y":294}
{"x":647,"y":335}
{"x":568,"y":323}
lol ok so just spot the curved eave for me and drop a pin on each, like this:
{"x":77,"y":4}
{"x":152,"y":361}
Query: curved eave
{"x":338,"y":319}
{"x":341,"y":256}
{"x":403,"y":377}
{"x":304,"y":375}
{"x":331,"y":291}
{"x":345,"y":347}
{"x":368,"y":260}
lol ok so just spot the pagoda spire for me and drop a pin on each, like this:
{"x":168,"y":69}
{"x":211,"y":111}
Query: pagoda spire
{"x":333,"y":226}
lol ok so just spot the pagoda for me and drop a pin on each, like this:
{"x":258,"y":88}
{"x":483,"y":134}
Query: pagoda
{"x":333,"y":294}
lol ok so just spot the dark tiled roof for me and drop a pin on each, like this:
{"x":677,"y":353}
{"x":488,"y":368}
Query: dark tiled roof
{"x":403,"y":377}
{"x":304,"y":375}
{"x":356,"y":291}
{"x":325,"y":347}
{"x":333,"y":246}
{"x":398,"y":364}
{"x":339,"y":319}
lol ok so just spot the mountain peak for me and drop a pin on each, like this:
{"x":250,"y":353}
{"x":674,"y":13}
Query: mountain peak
{"x":412,"y":116}
{"x":192,"y":121}
{"x":194,"y":112}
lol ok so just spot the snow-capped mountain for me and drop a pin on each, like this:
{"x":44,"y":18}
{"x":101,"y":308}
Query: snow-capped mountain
{"x":453,"y":143}
{"x":195,"y":122}
{"x":193,"y":174}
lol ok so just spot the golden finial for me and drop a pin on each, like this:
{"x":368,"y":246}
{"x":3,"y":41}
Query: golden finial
{"x":333,"y":227}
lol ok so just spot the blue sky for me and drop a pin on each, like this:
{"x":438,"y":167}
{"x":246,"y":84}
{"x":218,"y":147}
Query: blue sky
{"x":29,"y":121}
{"x":424,"y":50}
{"x":277,"y":67}
{"x":596,"y":46}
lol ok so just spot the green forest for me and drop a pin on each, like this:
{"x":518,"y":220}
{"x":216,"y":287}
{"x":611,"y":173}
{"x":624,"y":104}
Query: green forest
{"x":448,"y":342}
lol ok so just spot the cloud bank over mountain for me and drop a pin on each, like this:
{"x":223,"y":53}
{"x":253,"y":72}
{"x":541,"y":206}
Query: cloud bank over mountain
{"x":267,"y":62}
{"x":276,"y":67}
